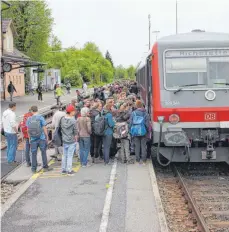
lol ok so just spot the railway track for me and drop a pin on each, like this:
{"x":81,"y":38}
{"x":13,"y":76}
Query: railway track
{"x":195,"y":196}
{"x":206,"y":191}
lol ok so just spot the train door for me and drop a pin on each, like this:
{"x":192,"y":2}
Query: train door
{"x":149,"y":84}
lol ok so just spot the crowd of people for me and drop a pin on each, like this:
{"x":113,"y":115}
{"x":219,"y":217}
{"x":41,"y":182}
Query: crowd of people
{"x":112,"y":122}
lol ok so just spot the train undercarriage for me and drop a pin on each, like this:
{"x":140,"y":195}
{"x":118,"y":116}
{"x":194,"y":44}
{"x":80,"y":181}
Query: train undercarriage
{"x":191,"y":145}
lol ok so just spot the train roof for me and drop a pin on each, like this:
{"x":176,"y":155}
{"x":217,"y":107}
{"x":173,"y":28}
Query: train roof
{"x":190,"y":39}
{"x":196,"y":36}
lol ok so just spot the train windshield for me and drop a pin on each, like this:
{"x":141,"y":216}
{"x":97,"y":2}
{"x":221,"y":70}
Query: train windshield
{"x":210,"y":72}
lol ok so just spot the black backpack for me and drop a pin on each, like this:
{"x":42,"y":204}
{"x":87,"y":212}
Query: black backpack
{"x":34,"y":128}
{"x":100,"y":124}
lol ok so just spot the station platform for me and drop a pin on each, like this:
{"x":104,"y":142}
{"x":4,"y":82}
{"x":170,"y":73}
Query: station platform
{"x":23,"y":103}
{"x":87,"y":201}
{"x":113,"y":198}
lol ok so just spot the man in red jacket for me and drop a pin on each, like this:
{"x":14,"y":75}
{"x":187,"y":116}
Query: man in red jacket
{"x":24,"y":130}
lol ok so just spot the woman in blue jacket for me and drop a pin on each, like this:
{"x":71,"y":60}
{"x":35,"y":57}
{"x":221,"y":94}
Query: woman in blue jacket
{"x":108,"y":133}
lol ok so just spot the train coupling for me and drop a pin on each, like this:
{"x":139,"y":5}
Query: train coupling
{"x":210,"y":137}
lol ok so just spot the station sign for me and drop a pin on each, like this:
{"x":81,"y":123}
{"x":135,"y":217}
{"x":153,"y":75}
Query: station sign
{"x":197,"y":53}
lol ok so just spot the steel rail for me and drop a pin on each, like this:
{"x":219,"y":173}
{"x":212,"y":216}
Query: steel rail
{"x":202,"y":226}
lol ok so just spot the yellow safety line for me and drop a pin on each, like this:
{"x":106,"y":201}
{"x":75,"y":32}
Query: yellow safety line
{"x":42,"y":174}
{"x":47,"y":177}
{"x":36,"y":175}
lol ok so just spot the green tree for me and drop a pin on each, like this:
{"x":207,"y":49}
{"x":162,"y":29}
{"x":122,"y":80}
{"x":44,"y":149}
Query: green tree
{"x":79,"y":65}
{"x":108,"y":57}
{"x":131,"y":72}
{"x":33,"y":23}
{"x":55,"y":43}
{"x":121,"y":72}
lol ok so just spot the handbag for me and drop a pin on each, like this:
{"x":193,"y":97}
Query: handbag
{"x":2,"y":132}
{"x":57,"y":136}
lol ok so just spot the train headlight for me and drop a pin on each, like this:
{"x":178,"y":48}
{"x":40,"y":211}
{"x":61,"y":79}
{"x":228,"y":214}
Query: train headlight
{"x":210,"y":95}
{"x":160,"y":119}
{"x":174,"y":118}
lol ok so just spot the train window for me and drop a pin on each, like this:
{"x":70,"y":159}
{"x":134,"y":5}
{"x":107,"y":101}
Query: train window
{"x":183,"y":65}
{"x":218,"y":71}
{"x":184,"y":71}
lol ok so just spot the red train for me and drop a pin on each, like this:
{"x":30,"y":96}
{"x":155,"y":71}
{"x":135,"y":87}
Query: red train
{"x":184,"y":83}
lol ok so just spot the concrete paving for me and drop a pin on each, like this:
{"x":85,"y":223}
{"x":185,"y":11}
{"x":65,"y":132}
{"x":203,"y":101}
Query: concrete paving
{"x":56,"y":203}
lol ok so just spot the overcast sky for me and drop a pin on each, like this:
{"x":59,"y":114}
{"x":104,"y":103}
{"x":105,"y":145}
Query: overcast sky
{"x":121,"y":26}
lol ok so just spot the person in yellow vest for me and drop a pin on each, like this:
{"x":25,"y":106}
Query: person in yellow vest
{"x":59,"y":92}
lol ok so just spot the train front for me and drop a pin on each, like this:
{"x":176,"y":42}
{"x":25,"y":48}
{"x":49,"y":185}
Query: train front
{"x":191,"y":98}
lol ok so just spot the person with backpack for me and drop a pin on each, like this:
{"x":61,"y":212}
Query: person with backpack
{"x":38,"y":137}
{"x":39,"y":91}
{"x":139,"y":128}
{"x":121,"y":132}
{"x":84,"y":133}
{"x":108,"y":132}
{"x":11,"y":88}
{"x":24,"y":130}
{"x":69,"y":138}
{"x":96,"y":140}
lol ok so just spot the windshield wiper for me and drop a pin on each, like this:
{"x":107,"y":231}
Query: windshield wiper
{"x":221,"y":83}
{"x":183,"y":86}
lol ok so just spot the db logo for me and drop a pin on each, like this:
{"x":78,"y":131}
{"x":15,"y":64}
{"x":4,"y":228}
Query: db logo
{"x":210,"y":116}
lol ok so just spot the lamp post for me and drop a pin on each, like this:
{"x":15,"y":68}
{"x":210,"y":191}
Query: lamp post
{"x":2,"y":49}
{"x":149,"y":16}
{"x":176,"y":19}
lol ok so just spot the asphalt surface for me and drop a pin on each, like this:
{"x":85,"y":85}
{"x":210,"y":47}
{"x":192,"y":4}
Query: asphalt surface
{"x":24,"y":102}
{"x":5,"y":167}
{"x":55,"y":203}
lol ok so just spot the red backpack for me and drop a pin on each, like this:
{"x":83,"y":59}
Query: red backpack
{"x":24,"y":128}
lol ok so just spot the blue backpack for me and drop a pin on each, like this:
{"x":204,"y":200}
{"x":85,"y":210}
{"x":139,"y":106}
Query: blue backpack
{"x":138,"y":127}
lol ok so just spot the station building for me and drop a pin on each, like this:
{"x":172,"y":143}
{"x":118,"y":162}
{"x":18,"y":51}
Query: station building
{"x":18,"y":60}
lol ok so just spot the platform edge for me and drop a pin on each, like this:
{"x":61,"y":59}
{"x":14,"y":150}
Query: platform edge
{"x":159,"y":206}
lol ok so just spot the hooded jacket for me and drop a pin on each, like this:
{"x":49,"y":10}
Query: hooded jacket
{"x":110,"y":122}
{"x":68,"y":130}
